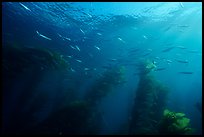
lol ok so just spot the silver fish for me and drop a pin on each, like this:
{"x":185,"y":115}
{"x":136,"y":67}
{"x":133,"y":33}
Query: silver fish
{"x":112,"y":59}
{"x":24,"y":6}
{"x":121,"y":40}
{"x":72,"y":47}
{"x":99,"y":34}
{"x":97,"y":48}
{"x":77,"y":48}
{"x":186,"y":72}
{"x":69,"y":56}
{"x":181,"y":4}
{"x":67,"y":38}
{"x":193,"y":51}
{"x":72,"y":70}
{"x":43,"y":36}
{"x":182,"y":61}
{"x":181,"y":47}
{"x":86,"y":69}
{"x":78,"y":60}
{"x":145,"y":37}
{"x":82,"y":31}
{"x":168,"y":49}
{"x":169,"y":61}
{"x":159,"y":69}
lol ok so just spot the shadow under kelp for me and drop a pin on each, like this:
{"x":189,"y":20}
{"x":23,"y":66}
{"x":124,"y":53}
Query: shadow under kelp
{"x":68,"y":120}
{"x":82,"y":116}
{"x":149,"y":102}
{"x":23,"y":71}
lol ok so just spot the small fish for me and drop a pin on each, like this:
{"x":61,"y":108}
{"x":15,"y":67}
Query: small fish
{"x":154,"y":62}
{"x":78,"y":60}
{"x":181,"y":4}
{"x":183,"y":26}
{"x":168,"y":28}
{"x":181,"y":47}
{"x":157,"y":57}
{"x":149,"y":49}
{"x":99,"y":34}
{"x":67,"y":38}
{"x":146,"y":54}
{"x":70,"y":56}
{"x":59,"y":35}
{"x":159,"y":69}
{"x":97,"y":48}
{"x":169,"y":61}
{"x":24,"y":6}
{"x":72,"y":70}
{"x":77,"y":48}
{"x":145,"y":37}
{"x":89,"y":15}
{"x":43,"y":36}
{"x":168,"y":49}
{"x":82,"y":31}
{"x":121,"y":40}
{"x":193,"y":51}
{"x":186,"y":72}
{"x":72,"y":47}
{"x":86,"y":69}
{"x":112,"y":59}
{"x":133,"y":50}
{"x":182,"y":61}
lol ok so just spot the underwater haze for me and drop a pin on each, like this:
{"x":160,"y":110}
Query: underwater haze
{"x":120,"y":68}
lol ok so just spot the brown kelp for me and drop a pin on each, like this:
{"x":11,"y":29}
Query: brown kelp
{"x":103,"y":85}
{"x":23,"y":70}
{"x":149,"y":102}
{"x":18,"y":59}
{"x":100,"y":89}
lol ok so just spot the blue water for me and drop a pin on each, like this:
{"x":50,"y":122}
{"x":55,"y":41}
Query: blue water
{"x":94,"y":33}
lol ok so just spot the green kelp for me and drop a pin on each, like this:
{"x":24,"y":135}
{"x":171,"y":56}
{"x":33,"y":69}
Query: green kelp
{"x":29,"y":65}
{"x":17,"y":60}
{"x":145,"y":66}
{"x":100,"y":89}
{"x":149,"y":102}
{"x":173,"y":123}
{"x":24,"y":69}
{"x":104,"y":84}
